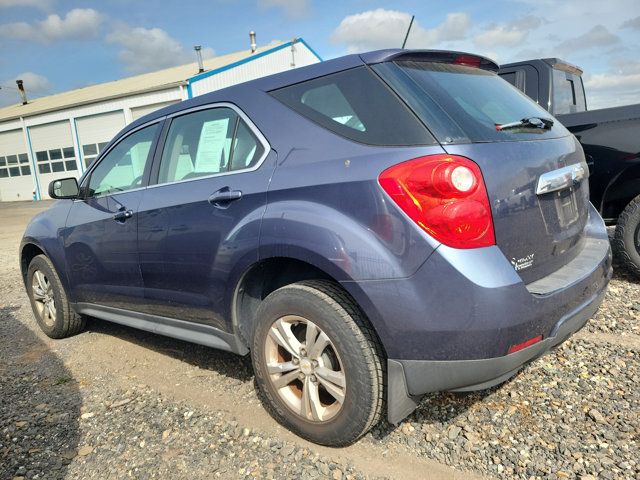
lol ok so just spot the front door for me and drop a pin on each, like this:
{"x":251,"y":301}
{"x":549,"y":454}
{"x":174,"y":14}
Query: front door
{"x":202,"y":218}
{"x":100,"y":237}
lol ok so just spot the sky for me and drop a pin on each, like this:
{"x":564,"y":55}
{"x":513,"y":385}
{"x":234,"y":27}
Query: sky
{"x":58,"y":45}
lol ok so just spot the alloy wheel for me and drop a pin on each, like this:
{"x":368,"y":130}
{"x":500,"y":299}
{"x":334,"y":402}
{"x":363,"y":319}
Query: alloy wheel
{"x":44,"y":298}
{"x":305,"y":369}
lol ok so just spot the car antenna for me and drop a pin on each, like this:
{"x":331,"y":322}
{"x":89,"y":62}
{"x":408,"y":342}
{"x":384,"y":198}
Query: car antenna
{"x":408,"y":30}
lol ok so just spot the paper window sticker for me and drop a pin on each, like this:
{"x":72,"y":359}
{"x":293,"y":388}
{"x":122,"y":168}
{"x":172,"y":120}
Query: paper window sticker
{"x":213,"y":138}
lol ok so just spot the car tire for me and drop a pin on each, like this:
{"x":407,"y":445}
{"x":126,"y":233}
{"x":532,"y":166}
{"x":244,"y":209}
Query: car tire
{"x":352,"y":357}
{"x":49,"y":302}
{"x":626,"y":241}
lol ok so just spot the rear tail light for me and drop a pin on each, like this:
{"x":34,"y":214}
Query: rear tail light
{"x":523,"y":345}
{"x":446,"y":196}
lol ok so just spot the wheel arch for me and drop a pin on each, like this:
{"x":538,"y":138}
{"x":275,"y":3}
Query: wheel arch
{"x":268,"y":274}
{"x":620,"y":192}
{"x":29,"y":249}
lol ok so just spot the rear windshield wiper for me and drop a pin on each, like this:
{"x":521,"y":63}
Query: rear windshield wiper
{"x":531,"y":122}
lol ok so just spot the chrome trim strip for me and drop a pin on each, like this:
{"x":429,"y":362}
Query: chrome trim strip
{"x":560,"y":179}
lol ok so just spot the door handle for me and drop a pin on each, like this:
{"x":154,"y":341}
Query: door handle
{"x":224,"y":196}
{"x":123,"y":215}
{"x":560,"y":179}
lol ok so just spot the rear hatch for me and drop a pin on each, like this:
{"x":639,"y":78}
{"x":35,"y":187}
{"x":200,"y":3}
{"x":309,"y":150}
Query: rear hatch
{"x":534,"y":170}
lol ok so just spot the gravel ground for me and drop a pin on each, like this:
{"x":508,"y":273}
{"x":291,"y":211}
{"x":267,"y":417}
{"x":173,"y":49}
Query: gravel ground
{"x":115,"y":403}
{"x":622,"y":312}
{"x":188,"y":442}
{"x":53,"y":428}
{"x":574,"y":412}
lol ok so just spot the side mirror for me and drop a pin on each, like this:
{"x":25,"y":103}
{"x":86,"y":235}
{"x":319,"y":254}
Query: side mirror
{"x":64,"y":188}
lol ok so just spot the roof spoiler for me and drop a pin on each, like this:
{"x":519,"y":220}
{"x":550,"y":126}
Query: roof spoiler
{"x":560,"y":64}
{"x":440,"y":56}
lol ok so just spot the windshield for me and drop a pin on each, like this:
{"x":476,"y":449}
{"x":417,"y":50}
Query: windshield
{"x":462,"y":104}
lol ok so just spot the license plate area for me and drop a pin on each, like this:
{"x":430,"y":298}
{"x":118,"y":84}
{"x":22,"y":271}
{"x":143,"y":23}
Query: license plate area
{"x":566,"y":206}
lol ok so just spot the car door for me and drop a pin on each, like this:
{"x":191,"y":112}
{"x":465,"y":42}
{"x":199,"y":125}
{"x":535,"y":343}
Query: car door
{"x":200,"y":221}
{"x":100,"y":237}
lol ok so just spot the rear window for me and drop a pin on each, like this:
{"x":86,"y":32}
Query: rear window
{"x":462,"y":104}
{"x":568,"y":94}
{"x":358,"y":106}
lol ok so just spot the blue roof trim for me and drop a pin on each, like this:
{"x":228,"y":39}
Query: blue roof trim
{"x":301,"y":40}
{"x":210,"y":73}
{"x":215,"y":71}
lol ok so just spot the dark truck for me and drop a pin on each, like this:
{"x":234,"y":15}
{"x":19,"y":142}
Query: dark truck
{"x":610,"y":138}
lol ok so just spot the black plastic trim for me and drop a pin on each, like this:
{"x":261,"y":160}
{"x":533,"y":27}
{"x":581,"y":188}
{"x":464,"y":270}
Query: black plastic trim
{"x":169,"y":327}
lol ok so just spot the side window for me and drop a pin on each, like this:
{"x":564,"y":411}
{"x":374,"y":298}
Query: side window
{"x":123,"y":167}
{"x":357,"y":105}
{"x":207,"y":142}
{"x":564,"y":95}
{"x":509,"y":77}
{"x":247,"y":150}
{"x":331,"y":102}
{"x":516,"y":78}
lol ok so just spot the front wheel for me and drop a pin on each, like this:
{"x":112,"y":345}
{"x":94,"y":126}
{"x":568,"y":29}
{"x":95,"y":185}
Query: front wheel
{"x":318,"y":363}
{"x":49,"y":301}
{"x":626,"y":241}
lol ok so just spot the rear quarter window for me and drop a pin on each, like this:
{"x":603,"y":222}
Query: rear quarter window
{"x":357,"y":105}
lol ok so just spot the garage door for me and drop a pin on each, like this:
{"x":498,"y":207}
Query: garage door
{"x":138,"y":112}
{"x":55,"y":156}
{"x":96,"y":131}
{"x":16,"y":177}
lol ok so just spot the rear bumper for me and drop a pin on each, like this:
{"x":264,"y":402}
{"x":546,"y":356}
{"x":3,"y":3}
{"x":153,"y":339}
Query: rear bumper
{"x":414,"y":378}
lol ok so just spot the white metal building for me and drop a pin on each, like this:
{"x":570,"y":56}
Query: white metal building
{"x":59,"y":135}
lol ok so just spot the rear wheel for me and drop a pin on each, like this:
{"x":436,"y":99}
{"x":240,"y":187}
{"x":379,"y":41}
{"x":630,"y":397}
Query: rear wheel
{"x":318,"y":363}
{"x":49,"y":300}
{"x":626,"y":241}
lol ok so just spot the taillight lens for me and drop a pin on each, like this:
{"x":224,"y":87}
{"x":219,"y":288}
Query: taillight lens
{"x":446,"y":196}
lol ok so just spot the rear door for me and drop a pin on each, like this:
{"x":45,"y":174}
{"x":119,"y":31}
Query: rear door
{"x":200,"y":222}
{"x":538,"y":230}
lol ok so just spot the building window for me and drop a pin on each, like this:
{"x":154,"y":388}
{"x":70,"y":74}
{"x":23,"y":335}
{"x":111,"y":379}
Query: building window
{"x":14,"y":166}
{"x":56,"y":160}
{"x":90,"y":151}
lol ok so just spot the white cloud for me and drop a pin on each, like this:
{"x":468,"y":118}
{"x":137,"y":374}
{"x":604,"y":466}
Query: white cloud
{"x":35,"y":85}
{"x":500,"y":36}
{"x":633,"y":23}
{"x":150,"y":49}
{"x":42,"y":4}
{"x":598,"y":36}
{"x":510,"y":34}
{"x":382,"y":28}
{"x":619,"y":86}
{"x":292,"y":8}
{"x":78,"y":24}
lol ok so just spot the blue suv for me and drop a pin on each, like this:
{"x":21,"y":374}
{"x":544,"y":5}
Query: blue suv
{"x":370,"y":228}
